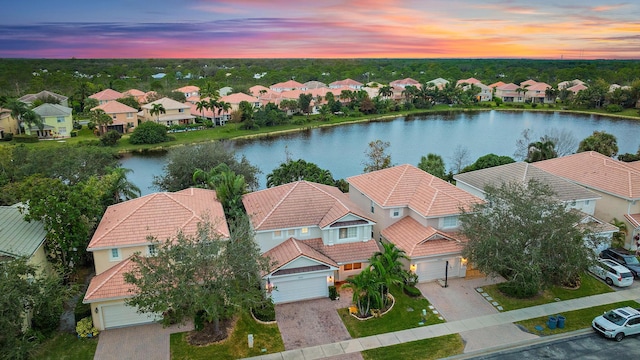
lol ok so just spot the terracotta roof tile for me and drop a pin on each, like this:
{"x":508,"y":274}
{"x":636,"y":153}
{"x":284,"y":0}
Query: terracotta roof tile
{"x":134,"y":93}
{"x":238,"y":97}
{"x":296,"y":204}
{"x":111,"y":284}
{"x":406,"y":185}
{"x":346,"y":82}
{"x":115,"y":107}
{"x":417,"y":240}
{"x":291,"y":84}
{"x":291,"y":249}
{"x":161,"y":215}
{"x":107,"y":94}
{"x":596,"y":171}
{"x":187,"y":89}
{"x":346,"y":253}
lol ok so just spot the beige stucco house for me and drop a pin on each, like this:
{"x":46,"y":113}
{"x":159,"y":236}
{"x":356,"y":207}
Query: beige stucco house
{"x":176,"y":113}
{"x":417,"y":212}
{"x":315,"y":235}
{"x":125,"y":118}
{"x":7,"y":123}
{"x":128,"y":228}
{"x":616,"y":182}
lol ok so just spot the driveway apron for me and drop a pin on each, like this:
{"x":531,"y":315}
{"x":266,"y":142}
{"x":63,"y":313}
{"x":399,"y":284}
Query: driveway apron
{"x":460,"y":301}
{"x":137,"y":342}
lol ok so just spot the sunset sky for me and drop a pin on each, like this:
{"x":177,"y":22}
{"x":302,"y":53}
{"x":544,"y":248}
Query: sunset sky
{"x":570,"y":29}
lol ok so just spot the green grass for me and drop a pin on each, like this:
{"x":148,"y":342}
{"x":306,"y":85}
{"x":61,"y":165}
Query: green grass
{"x":265,"y":337}
{"x":434,"y":348}
{"x":65,"y":346}
{"x":575,"y":320}
{"x":399,"y":318}
{"x":590,"y":286}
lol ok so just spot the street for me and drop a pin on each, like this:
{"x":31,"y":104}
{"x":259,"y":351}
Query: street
{"x":588,"y":346}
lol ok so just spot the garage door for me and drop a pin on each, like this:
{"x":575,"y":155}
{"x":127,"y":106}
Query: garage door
{"x":296,"y":289}
{"x":433,"y":270}
{"x":122,"y":315}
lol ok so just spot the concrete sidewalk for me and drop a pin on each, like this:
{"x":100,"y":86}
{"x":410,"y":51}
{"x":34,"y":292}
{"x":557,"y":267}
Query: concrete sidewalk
{"x":454,"y":327}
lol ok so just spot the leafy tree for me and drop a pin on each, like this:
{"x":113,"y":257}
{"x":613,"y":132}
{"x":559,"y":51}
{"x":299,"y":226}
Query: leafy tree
{"x":220,"y":278}
{"x":434,"y":165}
{"x":385,"y":91}
{"x":201,"y":106}
{"x":525,"y":235}
{"x":149,"y":133}
{"x":541,"y":150}
{"x":129,"y":101}
{"x":377,"y":158}
{"x":110,"y":138}
{"x":183,"y":161}
{"x":291,"y":171}
{"x":228,"y":185}
{"x":304,"y":100}
{"x":157,"y":109}
{"x":628,"y":157}
{"x":90,"y":103}
{"x":564,"y":143}
{"x":246,"y":115}
{"x":600,"y":141}
{"x":487,"y":161}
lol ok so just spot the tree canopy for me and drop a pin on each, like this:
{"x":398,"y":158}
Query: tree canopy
{"x":601,"y":142}
{"x":521,"y":232}
{"x":487,"y":161}
{"x":434,"y":165}
{"x":295,"y":170}
{"x":376,"y":156}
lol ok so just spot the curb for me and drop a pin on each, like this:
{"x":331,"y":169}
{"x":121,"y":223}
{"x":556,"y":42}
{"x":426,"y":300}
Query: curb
{"x":521,"y":344}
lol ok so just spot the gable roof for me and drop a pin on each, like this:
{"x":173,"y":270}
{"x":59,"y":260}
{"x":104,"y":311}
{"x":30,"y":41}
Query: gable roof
{"x":497,"y":84}
{"x":291,"y":249}
{"x":134,"y":93}
{"x":167,"y":103}
{"x":17,"y":236}
{"x":115,"y":107}
{"x":522,"y":172}
{"x":29,"y":98}
{"x":291,"y":84}
{"x":417,"y":240}
{"x":406,"y":185}
{"x":314,"y":84}
{"x":160,"y":215}
{"x":598,"y":172}
{"x":508,"y":87}
{"x":404,"y":82}
{"x":107,"y":94}
{"x":188,"y":89}
{"x":468,"y":81}
{"x":346,"y":82}
{"x":47,"y":109}
{"x":288,"y":206}
{"x":110,"y":284}
{"x":346,"y":253}
{"x":236,"y":98}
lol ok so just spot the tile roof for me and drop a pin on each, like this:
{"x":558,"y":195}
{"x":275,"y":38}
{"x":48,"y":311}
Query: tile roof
{"x":346,"y":82}
{"x":538,"y":87}
{"x":468,"y":81}
{"x":296,"y":204}
{"x":110,"y":284}
{"x":508,"y":87}
{"x":404,"y":82}
{"x":134,"y":93}
{"x":167,"y":103}
{"x":291,"y":84}
{"x":406,"y":185}
{"x":313,"y":84}
{"x":115,"y":107}
{"x":188,"y":89}
{"x":497,"y":84}
{"x":634,"y":219}
{"x":528,"y":82}
{"x":160,"y":215}
{"x":522,"y":172}
{"x":359,"y":251}
{"x":255,"y":90}
{"x":238,"y":97}
{"x":596,"y":171}
{"x":417,"y":240}
{"x":107,"y":94}
{"x":594,"y":224}
{"x":47,"y":109}
{"x":577,"y":88}
{"x":17,"y":236}
{"x":29,"y":98}
{"x":291,"y":249}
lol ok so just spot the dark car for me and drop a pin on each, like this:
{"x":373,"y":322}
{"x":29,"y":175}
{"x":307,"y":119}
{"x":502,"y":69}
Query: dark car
{"x":622,"y":257}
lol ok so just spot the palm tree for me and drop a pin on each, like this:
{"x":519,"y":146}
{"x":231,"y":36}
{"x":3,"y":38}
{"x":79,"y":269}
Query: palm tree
{"x":541,"y":150}
{"x":157,"y":109}
{"x":223,"y":107}
{"x":201,"y":106}
{"x":212,"y":104}
{"x":31,"y":118}
{"x":18,"y":109}
{"x":385,"y":92}
{"x":619,"y":237}
{"x":229,"y":187}
{"x":101,"y":119}
{"x":121,"y":188}
{"x":365,"y":288}
{"x":387,"y":266}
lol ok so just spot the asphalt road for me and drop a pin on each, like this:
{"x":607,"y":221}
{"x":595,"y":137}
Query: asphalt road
{"x":588,"y":346}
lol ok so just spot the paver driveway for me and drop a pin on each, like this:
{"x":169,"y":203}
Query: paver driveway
{"x":460,"y":300}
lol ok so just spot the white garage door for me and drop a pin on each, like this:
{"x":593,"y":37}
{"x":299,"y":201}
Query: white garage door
{"x":295,"y":288}
{"x":436,"y":269}
{"x":122,"y":315}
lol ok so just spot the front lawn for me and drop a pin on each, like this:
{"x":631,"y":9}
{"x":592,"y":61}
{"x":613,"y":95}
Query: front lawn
{"x":590,"y":286}
{"x":575,"y":320}
{"x":434,"y":348}
{"x":236,"y":346}
{"x":406,"y":314}
{"x":65,"y":346}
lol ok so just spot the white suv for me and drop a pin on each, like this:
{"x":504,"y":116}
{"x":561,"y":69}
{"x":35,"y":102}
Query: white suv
{"x":618,"y":323}
{"x":612,"y":273}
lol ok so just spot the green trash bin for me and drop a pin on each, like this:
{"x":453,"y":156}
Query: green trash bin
{"x":561,"y":320}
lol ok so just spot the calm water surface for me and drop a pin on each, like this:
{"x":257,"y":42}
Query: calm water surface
{"x":341,"y":149}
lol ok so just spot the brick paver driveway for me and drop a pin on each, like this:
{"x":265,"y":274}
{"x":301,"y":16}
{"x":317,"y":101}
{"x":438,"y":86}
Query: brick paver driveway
{"x":314,"y":322}
{"x":460,"y":300}
{"x":149,"y":342}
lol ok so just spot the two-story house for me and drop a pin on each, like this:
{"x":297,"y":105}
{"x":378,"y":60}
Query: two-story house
{"x":417,"y":212}
{"x":189,"y":91}
{"x":314,"y":235}
{"x":125,"y":118}
{"x":129,"y":228}
{"x":57,"y":121}
{"x":175,"y":112}
{"x":616,"y":182}
{"x":106,"y":95}
{"x":573,"y":196}
{"x":43,"y":95}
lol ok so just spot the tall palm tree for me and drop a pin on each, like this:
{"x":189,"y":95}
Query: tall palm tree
{"x":541,"y":150}
{"x":157,"y":109}
{"x":223,"y":107}
{"x":365,"y":288}
{"x":385,"y":92}
{"x":30,"y":118}
{"x":212,"y":104}
{"x":387,"y":266}
{"x":101,"y":119}
{"x":201,"y":106}
{"x":121,"y":188}
{"x":18,"y":109}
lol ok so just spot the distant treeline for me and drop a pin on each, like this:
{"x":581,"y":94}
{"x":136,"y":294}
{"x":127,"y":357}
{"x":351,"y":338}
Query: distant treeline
{"x":21,"y":76}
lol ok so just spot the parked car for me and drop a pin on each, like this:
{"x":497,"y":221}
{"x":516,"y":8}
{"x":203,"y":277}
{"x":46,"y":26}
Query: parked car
{"x":621,"y":256}
{"x":612,"y":273}
{"x":618,"y":323}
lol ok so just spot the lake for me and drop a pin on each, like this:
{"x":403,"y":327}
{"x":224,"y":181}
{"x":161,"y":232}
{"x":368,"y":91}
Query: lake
{"x":341,"y":149}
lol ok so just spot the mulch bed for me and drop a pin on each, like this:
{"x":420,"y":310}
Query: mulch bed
{"x":208,"y":335}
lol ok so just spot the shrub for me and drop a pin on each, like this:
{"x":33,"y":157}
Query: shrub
{"x":520,"y":290}
{"x":412,"y":291}
{"x":613,"y":108}
{"x":149,"y":133}
{"x":77,"y":125}
{"x":534,"y":105}
{"x":22,"y":138}
{"x":110,"y":138}
{"x":82,"y":310}
{"x":333,"y":292}
{"x":85,"y":328}
{"x":7,"y":137}
{"x":266,"y":311}
{"x":74,"y":134}
{"x":498,"y":101}
{"x":91,"y":126}
{"x":410,"y":279}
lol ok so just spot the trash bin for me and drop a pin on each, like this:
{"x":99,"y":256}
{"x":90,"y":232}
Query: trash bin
{"x":553,"y":322}
{"x":561,"y":320}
